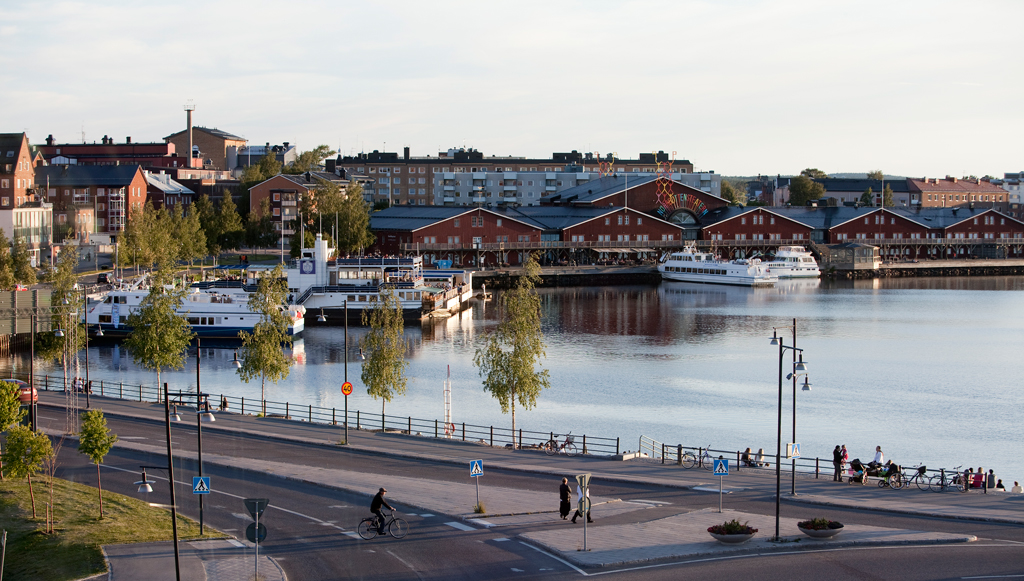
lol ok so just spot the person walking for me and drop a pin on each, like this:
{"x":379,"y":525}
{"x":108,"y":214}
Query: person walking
{"x":837,"y":463}
{"x":563,"y":499}
{"x":579,"y":498}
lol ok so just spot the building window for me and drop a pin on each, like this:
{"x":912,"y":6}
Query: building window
{"x":5,"y":201}
{"x":607,"y":221}
{"x":498,"y":222}
{"x":277,"y":211}
{"x":456,"y":222}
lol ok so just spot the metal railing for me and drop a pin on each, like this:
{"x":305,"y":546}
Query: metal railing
{"x":492,"y":436}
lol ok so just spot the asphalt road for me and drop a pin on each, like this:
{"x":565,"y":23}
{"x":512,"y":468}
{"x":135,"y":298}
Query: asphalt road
{"x":305,"y":521}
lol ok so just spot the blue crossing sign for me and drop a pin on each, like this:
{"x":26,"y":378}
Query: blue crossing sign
{"x":200,"y":485}
{"x":476,"y":468}
{"x":721,"y":467}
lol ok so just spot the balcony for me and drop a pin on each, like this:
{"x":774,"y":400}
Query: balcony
{"x":448,"y":188}
{"x":449,"y":199}
{"x":479,"y":175}
{"x":289,"y":203}
{"x":478,"y":199}
{"x":550,"y":188}
{"x":509,"y":200}
{"x":510,"y":188}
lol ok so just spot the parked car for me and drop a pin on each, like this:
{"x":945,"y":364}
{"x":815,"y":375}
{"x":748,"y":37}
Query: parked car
{"x":103,"y":278}
{"x":28,"y":393}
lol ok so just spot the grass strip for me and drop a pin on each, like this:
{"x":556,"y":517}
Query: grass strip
{"x":72,"y":551}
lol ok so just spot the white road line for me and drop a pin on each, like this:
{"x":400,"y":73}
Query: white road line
{"x":351,"y":534}
{"x":649,"y":501}
{"x":559,"y":559}
{"x":481,"y":522}
{"x":993,"y":577}
{"x":460,"y":526}
{"x":235,"y":543}
{"x":426,"y":515}
{"x":501,"y":540}
{"x":406,"y":563}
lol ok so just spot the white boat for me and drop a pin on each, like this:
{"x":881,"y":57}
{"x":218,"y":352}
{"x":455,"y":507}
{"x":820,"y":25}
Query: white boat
{"x":323,"y":286}
{"x":793,"y":262}
{"x":212,"y":313}
{"x":690,"y":265}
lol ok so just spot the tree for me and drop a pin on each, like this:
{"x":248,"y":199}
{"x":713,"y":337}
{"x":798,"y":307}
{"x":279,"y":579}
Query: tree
{"x":24,"y":456}
{"x":7,"y":281}
{"x":133,"y":248}
{"x":384,"y":345}
{"x":876,"y":175}
{"x":354,"y":221}
{"x":813,"y":172}
{"x":231,"y":228}
{"x":803,"y":189}
{"x":312,"y":160}
{"x":293,"y":241}
{"x":261,"y":353}
{"x":509,"y":358}
{"x":22,"y":259}
{"x":868,"y":197}
{"x":210,"y":223}
{"x":95,"y":441}
{"x":191,"y":237}
{"x":259,"y":228}
{"x":159,"y":337}
{"x":736,"y":194}
{"x":10,"y":411}
{"x":65,"y":298}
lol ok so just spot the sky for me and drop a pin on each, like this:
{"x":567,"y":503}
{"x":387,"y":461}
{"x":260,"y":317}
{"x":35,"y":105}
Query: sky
{"x":739,"y":87}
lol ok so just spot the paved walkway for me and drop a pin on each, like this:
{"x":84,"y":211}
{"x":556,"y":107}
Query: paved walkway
{"x":215,"y":560}
{"x":673,"y":537}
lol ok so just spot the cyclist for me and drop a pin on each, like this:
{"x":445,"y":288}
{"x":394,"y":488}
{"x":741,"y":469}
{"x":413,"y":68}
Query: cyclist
{"x":375,"y":504}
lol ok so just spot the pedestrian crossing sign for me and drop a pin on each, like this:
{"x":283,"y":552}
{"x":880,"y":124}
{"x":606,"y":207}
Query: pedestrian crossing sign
{"x":200,"y":485}
{"x":476,"y":468}
{"x":721,"y":467}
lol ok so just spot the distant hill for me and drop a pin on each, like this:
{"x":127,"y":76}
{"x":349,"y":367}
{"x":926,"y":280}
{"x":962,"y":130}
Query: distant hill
{"x":841,"y":175}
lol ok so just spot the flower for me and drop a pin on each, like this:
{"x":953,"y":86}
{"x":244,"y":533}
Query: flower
{"x":732,"y":527}
{"x":820,"y":524}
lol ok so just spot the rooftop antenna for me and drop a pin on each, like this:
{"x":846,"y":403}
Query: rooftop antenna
{"x":189,"y":108}
{"x":83,"y":132}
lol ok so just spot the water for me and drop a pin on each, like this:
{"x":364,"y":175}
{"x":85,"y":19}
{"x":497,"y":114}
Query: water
{"x":924,"y":368}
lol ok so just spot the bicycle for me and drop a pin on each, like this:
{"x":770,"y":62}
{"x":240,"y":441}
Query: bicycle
{"x":554,"y":446}
{"x":920,"y":478}
{"x":398,"y":527}
{"x":939,"y":482}
{"x":705,"y":460}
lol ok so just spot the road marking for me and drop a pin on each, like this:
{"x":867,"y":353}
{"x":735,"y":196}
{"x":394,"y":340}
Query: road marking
{"x":236,"y":543}
{"x":482,"y":522}
{"x":559,"y":559}
{"x":709,"y":489}
{"x":460,"y":526}
{"x":426,"y":515}
{"x":993,"y":577}
{"x":656,"y":502}
{"x":351,"y":534}
{"x":406,"y":563}
{"x":501,"y":540}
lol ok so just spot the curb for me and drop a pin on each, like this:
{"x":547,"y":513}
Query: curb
{"x":907,"y":511}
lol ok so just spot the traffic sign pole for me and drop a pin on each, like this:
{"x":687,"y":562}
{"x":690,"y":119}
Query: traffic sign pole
{"x":721,"y":483}
{"x":721,"y":466}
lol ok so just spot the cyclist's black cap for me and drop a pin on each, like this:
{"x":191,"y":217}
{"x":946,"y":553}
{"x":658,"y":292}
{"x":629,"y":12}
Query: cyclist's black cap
{"x":383,"y":489}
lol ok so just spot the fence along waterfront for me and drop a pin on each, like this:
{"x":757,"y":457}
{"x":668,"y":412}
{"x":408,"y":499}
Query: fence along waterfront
{"x":371,"y":421}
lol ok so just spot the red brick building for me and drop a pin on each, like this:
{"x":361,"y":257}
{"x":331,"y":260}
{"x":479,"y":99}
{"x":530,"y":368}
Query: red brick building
{"x":285,"y":191}
{"x":161,"y":155}
{"x":657,"y":196}
{"x":877,"y":224}
{"x":17,"y":170}
{"x":955,"y":192}
{"x":92,"y":198}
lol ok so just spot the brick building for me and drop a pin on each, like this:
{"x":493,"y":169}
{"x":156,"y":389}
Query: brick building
{"x":17,"y":170}
{"x":955,"y":192}
{"x":285,"y":191}
{"x":157,"y":155}
{"x":217,"y":149}
{"x":166,"y":192}
{"x":92,"y":198}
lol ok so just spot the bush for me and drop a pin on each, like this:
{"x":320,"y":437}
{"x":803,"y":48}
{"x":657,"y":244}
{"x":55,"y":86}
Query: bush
{"x":820,"y":524}
{"x":732,"y":527}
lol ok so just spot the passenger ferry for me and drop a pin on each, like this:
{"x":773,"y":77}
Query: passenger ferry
{"x":214,"y":314}
{"x":689,"y":265}
{"x":323,"y":286}
{"x":794,"y":262}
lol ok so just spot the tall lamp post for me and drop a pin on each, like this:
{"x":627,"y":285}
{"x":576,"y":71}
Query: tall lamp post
{"x":203,"y":414}
{"x":798,"y":367}
{"x":806,"y":387}
{"x":147,"y":486}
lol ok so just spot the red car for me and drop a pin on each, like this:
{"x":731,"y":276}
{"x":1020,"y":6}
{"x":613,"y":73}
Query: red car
{"x":28,"y":394}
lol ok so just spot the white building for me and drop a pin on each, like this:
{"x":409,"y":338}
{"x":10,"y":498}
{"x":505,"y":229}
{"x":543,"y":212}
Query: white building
{"x":34,"y":222}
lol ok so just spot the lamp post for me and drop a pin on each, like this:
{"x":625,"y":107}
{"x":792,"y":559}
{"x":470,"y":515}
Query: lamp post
{"x":799,"y":367}
{"x":203,"y":414}
{"x":346,"y":370}
{"x":147,"y":486}
{"x":806,"y":387}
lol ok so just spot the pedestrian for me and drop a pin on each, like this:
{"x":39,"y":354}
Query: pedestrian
{"x":563,"y":499}
{"x":223,"y":403}
{"x":579,"y":498}
{"x":1017,"y":488}
{"x":837,"y":463}
{"x":992,"y":479}
{"x":846,"y":458}
{"x":879,"y":458}
{"x":760,"y":458}
{"x":999,"y":485}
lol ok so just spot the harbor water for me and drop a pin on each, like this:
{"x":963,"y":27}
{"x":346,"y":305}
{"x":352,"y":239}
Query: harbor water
{"x":924,"y":368}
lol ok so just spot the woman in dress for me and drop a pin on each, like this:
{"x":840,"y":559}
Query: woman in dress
{"x":563,"y":498}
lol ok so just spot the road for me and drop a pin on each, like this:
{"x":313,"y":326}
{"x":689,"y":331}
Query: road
{"x":308,"y":523}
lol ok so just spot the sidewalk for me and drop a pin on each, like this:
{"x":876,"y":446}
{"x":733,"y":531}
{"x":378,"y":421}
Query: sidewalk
{"x":216,"y":560}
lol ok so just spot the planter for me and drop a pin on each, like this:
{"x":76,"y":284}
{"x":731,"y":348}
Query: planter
{"x":820,"y":534}
{"x":733,"y":539}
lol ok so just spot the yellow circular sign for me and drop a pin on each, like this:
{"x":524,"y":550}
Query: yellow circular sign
{"x":346,"y":388}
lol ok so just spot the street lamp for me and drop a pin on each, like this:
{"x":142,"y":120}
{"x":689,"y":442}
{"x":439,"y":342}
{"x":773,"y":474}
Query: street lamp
{"x":146,"y":485}
{"x":202,"y":415}
{"x":798,"y":368}
{"x":806,"y":387}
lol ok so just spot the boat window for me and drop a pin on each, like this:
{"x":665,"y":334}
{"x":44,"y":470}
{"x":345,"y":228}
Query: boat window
{"x":104,"y":318}
{"x":123,"y":319}
{"x":106,"y":301}
{"x":193,"y":320}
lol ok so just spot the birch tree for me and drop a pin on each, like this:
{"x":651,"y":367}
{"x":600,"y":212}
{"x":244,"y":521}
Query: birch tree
{"x":262,"y":354}
{"x":384,"y":345}
{"x":95,"y":441}
{"x":10,"y":411}
{"x":26,"y":451}
{"x":160,"y":337}
{"x":508,"y":360}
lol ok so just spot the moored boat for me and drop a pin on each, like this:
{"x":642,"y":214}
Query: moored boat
{"x":793,"y":262}
{"x":691,"y":265}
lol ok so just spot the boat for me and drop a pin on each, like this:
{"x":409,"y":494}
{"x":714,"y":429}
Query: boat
{"x":691,"y":265}
{"x":793,"y":262}
{"x":325,"y":286}
{"x":212,"y":313}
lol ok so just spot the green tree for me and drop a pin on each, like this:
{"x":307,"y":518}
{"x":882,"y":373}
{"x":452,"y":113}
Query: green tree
{"x":735,"y":194}
{"x":259,"y":228}
{"x":867,"y":198}
{"x":261,"y":353}
{"x":354,"y":221}
{"x":22,"y":258}
{"x":210,"y":223}
{"x":95,"y":441}
{"x":803,"y":189}
{"x":26,"y":451}
{"x":192,"y":237}
{"x":10,"y":411}
{"x":159,"y":337}
{"x":7,"y":280}
{"x":815,"y":173}
{"x":509,"y":358}
{"x":67,"y":303}
{"x":312,"y":160}
{"x":293,"y":241}
{"x":876,"y":175}
{"x":232,"y":230}
{"x":887,"y":197}
{"x":384,"y":345}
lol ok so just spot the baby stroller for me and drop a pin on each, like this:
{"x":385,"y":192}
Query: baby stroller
{"x":859,"y":472}
{"x":892,"y":476}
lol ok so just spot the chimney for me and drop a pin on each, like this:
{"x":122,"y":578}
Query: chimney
{"x":189,"y":107}
{"x":286,"y":146}
{"x":127,"y":140}
{"x":49,"y":139}
{"x":407,"y":154}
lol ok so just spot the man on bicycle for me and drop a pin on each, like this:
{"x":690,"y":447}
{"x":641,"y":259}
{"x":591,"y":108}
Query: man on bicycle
{"x":375,"y":504}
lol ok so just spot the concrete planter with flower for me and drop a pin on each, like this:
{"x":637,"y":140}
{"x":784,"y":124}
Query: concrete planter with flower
{"x":820,"y":528}
{"x":732,"y":532}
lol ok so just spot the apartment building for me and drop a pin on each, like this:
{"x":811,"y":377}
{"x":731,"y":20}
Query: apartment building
{"x":1011,"y":182}
{"x":217,"y":149}
{"x":16,"y":170}
{"x":420,"y":181}
{"x":92,"y":198}
{"x":107,"y":152}
{"x":33,"y":222}
{"x":285,"y":192}
{"x":953,"y":192}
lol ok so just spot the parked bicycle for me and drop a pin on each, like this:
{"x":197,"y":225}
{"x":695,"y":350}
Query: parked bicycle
{"x":567,"y":446}
{"x":705,"y":460}
{"x":941,"y":482}
{"x":397,"y":526}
